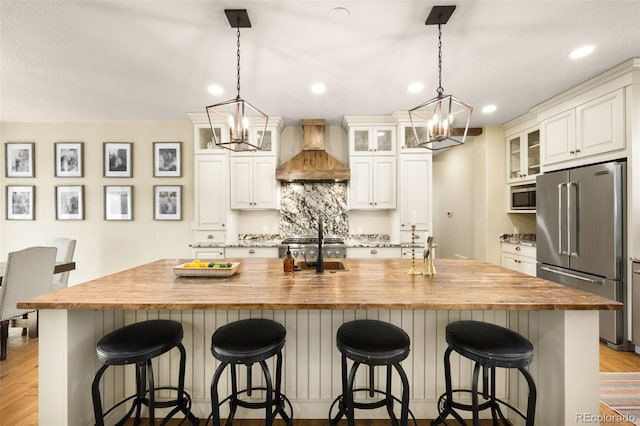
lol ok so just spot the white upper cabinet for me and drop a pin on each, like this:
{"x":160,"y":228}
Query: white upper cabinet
{"x":253,"y":183}
{"x":600,"y":125}
{"x":592,"y":128}
{"x":211,"y":191}
{"x":373,"y":183}
{"x":523,"y":156}
{"x":203,"y":134}
{"x":415,"y":192}
{"x":372,"y":160}
{"x":372,"y":140}
{"x":407,"y":139}
{"x":253,"y":173}
{"x":270,"y":141}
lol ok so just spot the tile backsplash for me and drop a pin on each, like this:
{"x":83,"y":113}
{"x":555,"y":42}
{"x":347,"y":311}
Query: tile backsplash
{"x":303,"y":203}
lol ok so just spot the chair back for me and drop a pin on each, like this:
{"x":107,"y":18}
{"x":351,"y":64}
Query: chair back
{"x":28,"y":273}
{"x":66,"y":247}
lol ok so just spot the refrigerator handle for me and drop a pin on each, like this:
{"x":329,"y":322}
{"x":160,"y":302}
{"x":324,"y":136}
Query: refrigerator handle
{"x":560,"y":251}
{"x":572,"y":221}
{"x":567,"y":274}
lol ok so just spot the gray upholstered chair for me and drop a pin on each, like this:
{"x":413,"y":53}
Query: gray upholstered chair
{"x":28,"y":273}
{"x":66,"y":247}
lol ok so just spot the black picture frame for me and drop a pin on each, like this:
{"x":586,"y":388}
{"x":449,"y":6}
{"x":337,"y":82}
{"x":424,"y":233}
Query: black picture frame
{"x":167,"y":159}
{"x":118,"y":202}
{"x":19,"y":159}
{"x":69,"y":159}
{"x":70,"y":202}
{"x":167,"y":202}
{"x":118,"y":159}
{"x":20,"y":202}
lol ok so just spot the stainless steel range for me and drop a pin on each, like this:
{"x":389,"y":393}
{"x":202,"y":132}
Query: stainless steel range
{"x":332,"y":247}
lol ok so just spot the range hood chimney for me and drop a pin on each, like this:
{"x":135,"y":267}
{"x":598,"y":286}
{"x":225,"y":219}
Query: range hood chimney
{"x":313,"y":163}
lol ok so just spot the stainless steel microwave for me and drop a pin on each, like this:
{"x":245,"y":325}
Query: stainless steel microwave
{"x":523,"y":197}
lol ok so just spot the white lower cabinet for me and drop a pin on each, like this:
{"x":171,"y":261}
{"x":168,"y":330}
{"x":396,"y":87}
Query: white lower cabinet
{"x":519,"y":257}
{"x":248,"y":252}
{"x":208,"y":253}
{"x":373,"y":252}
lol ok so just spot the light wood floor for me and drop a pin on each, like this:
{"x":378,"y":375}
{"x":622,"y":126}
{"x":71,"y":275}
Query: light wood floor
{"x":19,"y":385}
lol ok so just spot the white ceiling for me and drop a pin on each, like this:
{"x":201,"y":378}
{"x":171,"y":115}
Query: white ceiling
{"x":148,"y":60}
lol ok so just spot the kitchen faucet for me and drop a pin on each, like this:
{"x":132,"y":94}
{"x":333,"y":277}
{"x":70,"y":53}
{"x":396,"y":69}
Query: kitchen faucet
{"x":319,"y":259}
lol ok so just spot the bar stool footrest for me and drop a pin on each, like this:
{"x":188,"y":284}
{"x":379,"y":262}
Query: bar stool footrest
{"x":184,"y":406}
{"x":448,"y":407}
{"x":278,"y":405}
{"x":364,"y":405}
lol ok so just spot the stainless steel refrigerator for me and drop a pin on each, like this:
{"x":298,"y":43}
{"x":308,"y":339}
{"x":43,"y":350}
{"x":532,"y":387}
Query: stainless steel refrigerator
{"x":580,"y":218}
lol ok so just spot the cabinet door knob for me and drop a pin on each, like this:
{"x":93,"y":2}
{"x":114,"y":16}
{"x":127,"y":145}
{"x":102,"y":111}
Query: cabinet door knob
{"x":518,"y":248}
{"x":577,"y":150}
{"x":374,"y":251}
{"x":209,"y":237}
{"x":572,"y":152}
{"x":252,"y":251}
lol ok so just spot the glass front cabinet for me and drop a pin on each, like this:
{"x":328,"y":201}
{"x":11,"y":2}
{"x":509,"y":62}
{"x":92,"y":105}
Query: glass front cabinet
{"x":523,"y":156}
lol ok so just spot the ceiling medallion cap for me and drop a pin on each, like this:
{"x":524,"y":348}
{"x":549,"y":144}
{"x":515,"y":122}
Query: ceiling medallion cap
{"x":439,"y":15}
{"x":238,"y":18}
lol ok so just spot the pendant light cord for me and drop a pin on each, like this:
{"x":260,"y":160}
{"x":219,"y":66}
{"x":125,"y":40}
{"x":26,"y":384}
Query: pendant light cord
{"x":440,"y":89}
{"x":238,"y":53}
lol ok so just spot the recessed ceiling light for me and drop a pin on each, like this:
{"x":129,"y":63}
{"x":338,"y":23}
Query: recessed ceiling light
{"x":581,"y":52}
{"x":488,"y":109}
{"x":318,"y":88}
{"x":214,"y":89}
{"x":416,"y":87}
{"x":339,"y":14}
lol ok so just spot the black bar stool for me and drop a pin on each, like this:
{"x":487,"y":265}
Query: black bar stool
{"x":373,"y":343}
{"x":490,"y":346}
{"x":137,"y":344}
{"x":246,"y":342}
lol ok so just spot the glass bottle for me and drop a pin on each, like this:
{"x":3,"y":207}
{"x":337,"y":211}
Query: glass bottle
{"x":289,"y":262}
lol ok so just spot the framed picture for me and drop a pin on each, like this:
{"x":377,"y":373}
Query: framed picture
{"x":167,"y":202}
{"x":19,"y":159}
{"x":118,"y":161}
{"x":70,"y":202}
{"x":68,"y":158}
{"x":167,"y":159}
{"x":118,"y":202}
{"x":21,"y":202}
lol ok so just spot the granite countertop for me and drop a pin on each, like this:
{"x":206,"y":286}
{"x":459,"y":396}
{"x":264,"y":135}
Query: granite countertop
{"x":274,"y":240}
{"x":522,"y":239}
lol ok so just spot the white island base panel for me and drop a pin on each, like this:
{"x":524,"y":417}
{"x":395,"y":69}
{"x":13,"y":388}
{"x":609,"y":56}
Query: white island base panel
{"x":565,"y":366}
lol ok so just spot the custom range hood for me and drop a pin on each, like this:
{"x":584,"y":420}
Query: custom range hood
{"x":313,"y":163}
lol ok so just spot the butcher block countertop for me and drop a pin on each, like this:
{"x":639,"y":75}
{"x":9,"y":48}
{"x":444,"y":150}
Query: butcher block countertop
{"x":460,"y":284}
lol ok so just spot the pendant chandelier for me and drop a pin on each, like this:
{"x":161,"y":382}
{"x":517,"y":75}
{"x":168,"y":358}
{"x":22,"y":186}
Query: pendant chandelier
{"x":443,"y":121}
{"x":240,"y":115}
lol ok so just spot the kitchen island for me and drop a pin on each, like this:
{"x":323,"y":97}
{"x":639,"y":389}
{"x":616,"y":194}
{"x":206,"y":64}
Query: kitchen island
{"x":562,"y":323}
